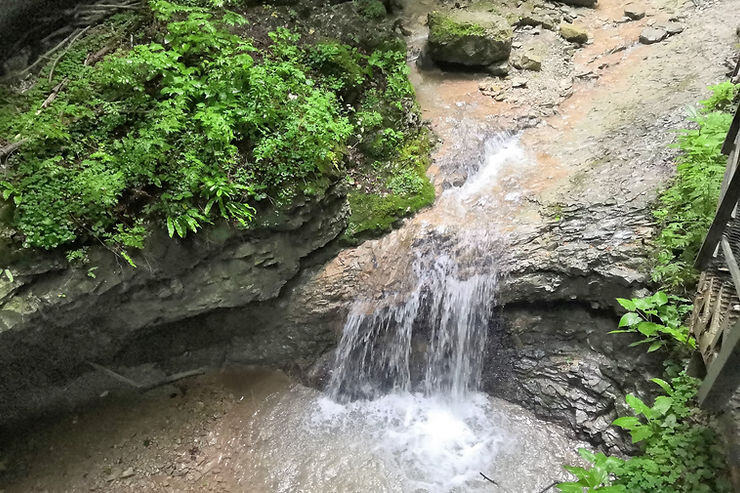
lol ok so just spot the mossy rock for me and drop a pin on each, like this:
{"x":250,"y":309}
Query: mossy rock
{"x":469,"y":38}
{"x":373,"y":214}
{"x":573,"y":33}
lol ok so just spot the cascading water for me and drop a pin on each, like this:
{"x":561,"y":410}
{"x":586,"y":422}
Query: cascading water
{"x":402,"y":411}
{"x":447,"y":313}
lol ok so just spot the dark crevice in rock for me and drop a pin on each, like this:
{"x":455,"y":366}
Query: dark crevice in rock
{"x":558,"y":360}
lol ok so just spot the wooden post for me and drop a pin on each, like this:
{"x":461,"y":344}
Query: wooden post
{"x":723,"y":374}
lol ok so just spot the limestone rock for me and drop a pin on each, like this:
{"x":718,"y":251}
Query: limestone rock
{"x":651,"y":35}
{"x":527,"y":61}
{"x":573,"y":33}
{"x":673,"y":28}
{"x":537,"y":19}
{"x":519,"y":82}
{"x":634,"y":11}
{"x":55,"y":317}
{"x":469,"y":38}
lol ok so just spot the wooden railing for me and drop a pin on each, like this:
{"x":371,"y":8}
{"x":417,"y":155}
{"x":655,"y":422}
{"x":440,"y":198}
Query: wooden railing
{"x":715,"y":322}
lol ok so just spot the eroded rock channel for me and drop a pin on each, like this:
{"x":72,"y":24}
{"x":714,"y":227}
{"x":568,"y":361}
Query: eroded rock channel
{"x":544,"y":169}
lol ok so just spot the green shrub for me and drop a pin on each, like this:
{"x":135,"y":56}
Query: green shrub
{"x":723,"y":97}
{"x":687,"y":208}
{"x":681,"y":453}
{"x":193,"y":125}
{"x":372,"y":9}
{"x":658,"y":319}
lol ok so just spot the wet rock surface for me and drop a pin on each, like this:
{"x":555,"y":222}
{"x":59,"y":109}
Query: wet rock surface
{"x":559,"y":361}
{"x":55,"y":320}
{"x":597,"y":120}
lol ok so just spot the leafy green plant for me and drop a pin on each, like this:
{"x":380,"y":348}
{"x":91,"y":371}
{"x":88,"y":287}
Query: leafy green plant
{"x":372,"y":9}
{"x":680,"y":451}
{"x":687,"y":208}
{"x":723,"y":97}
{"x":195,"y":125}
{"x":658,"y":319}
{"x":596,"y":478}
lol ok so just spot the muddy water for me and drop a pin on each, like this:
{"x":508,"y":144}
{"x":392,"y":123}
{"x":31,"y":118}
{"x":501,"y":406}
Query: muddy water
{"x":256,"y":431}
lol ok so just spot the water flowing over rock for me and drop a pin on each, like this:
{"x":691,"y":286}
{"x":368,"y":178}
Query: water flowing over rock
{"x":436,"y":333}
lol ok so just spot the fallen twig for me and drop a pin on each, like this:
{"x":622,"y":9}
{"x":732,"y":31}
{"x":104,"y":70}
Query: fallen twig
{"x":174,"y":378}
{"x":548,"y":487}
{"x":54,"y":65}
{"x":488,"y":479}
{"x":94,"y":58}
{"x":115,"y":375}
{"x":54,"y":93}
{"x":143,"y":388}
{"x":49,"y":53}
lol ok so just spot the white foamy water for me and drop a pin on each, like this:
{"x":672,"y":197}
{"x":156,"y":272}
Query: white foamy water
{"x":303,"y":442}
{"x":436,"y":444}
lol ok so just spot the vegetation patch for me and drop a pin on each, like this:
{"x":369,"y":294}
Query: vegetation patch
{"x":405,"y":190}
{"x":444,"y":28}
{"x":681,"y":453}
{"x":195,"y":124}
{"x":686,"y":209}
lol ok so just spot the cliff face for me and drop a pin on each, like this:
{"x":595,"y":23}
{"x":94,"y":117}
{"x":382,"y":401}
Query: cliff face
{"x":55,"y":319}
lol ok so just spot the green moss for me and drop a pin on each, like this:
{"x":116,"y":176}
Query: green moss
{"x":443,"y":28}
{"x":372,"y":9}
{"x":409,"y":190}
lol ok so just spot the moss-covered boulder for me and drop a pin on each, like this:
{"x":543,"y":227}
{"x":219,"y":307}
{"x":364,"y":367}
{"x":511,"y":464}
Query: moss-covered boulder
{"x":573,"y":33}
{"x":469,"y":38}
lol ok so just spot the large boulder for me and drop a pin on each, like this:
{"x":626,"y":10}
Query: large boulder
{"x":573,"y":33}
{"x":469,"y":38}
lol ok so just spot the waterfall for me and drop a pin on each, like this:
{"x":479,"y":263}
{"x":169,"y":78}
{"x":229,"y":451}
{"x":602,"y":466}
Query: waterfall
{"x":431,"y":339}
{"x":408,"y":367}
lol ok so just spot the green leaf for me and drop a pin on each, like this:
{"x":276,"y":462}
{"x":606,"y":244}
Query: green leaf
{"x":643,"y":303}
{"x":181,"y":231}
{"x":8,"y":274}
{"x":641,"y":433}
{"x":662,"y":405}
{"x":128,"y":259}
{"x":649,"y":328}
{"x":642,"y":341}
{"x":655,"y":346}
{"x":170,"y":227}
{"x":570,"y":487}
{"x":663,"y":385}
{"x":630,"y":319}
{"x":579,"y":472}
{"x":660,"y":298}
{"x":628,"y":305}
{"x":587,"y":454}
{"x":627,"y":422}
{"x":638,"y":406}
